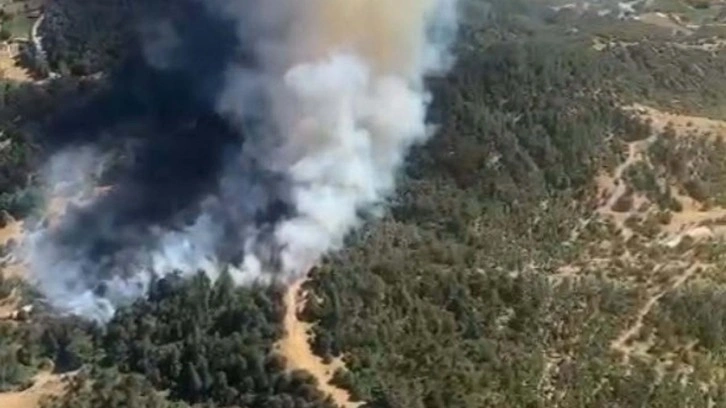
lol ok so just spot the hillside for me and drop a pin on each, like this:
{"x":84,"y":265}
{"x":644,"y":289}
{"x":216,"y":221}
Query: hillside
{"x":558,"y":243}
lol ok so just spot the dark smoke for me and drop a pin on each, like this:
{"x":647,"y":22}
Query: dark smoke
{"x":163,"y":118}
{"x":246,"y":134}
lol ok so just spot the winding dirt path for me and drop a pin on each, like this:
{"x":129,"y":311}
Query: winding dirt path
{"x":295,"y":346}
{"x":620,"y":187}
{"x":620,"y":344}
{"x":614,"y":187}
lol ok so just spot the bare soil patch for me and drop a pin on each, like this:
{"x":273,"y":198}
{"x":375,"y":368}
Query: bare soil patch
{"x":8,"y":68}
{"x":665,"y":21}
{"x":623,"y":343}
{"x":295,"y":346}
{"x":13,"y":230}
{"x":612,"y":188}
{"x":653,"y":261}
{"x":8,"y":307}
{"x":45,"y":384}
{"x":684,"y":125}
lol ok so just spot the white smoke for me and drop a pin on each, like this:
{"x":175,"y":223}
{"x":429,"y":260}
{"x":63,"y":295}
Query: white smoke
{"x":345,"y":82}
{"x":348,"y":95}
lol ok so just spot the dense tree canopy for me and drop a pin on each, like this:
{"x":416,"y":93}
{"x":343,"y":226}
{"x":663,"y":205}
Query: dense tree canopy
{"x":456,"y":296}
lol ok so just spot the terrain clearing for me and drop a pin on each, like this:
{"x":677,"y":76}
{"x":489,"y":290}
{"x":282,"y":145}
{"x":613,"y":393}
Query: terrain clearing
{"x":8,"y":307}
{"x":13,"y":230}
{"x":613,"y":188}
{"x":9,"y":69}
{"x":694,"y":220}
{"x":44,"y":385}
{"x":295,"y":346}
{"x":9,"y":266}
{"x":665,"y":21}
{"x":624,"y":342}
{"x":22,"y":26}
{"x":690,"y":220}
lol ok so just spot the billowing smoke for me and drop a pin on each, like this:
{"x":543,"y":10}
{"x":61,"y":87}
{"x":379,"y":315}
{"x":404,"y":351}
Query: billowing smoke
{"x":246,"y":134}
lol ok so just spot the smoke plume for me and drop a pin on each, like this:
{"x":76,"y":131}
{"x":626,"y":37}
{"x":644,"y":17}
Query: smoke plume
{"x":247,"y":134}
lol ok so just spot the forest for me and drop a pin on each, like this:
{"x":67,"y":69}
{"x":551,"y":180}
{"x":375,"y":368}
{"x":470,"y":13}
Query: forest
{"x":453,"y":298}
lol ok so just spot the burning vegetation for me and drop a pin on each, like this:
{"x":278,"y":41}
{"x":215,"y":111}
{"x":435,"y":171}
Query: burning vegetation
{"x":553,"y":241}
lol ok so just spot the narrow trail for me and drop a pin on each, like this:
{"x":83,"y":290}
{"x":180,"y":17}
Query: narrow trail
{"x":687,"y":221}
{"x":620,"y":343}
{"x":620,"y":188}
{"x":295,"y":346}
{"x":615,"y":186}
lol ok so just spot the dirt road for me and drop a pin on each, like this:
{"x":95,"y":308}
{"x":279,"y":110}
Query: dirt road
{"x":295,"y":346}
